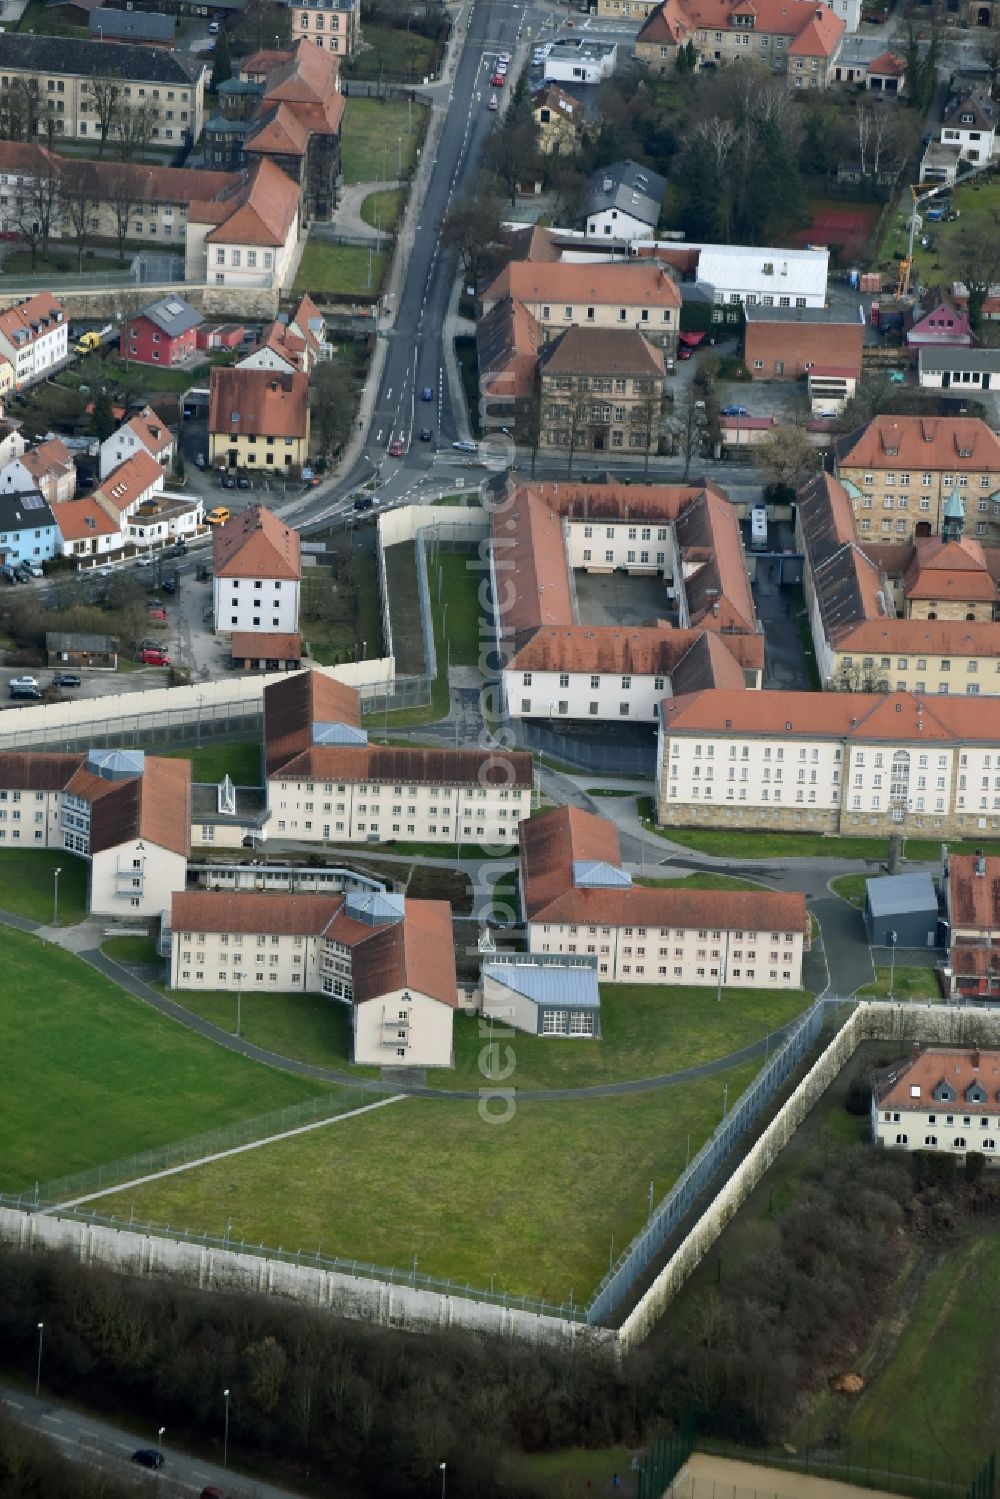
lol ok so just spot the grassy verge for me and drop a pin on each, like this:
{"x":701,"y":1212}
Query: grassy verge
{"x":240,"y":760}
{"x":852,"y":888}
{"x":801,"y":613}
{"x":477,"y":1208}
{"x":117,"y":1077}
{"x":382,"y":210}
{"x":340,"y":270}
{"x":907,"y":983}
{"x":305,"y":1027}
{"x":27,"y":885}
{"x":377,"y":140}
{"x":753,"y":844}
{"x":468,"y":363}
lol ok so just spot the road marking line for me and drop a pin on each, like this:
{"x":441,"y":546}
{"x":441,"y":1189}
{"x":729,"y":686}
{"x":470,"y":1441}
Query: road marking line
{"x":49,"y":1416}
{"x":14,"y":1405}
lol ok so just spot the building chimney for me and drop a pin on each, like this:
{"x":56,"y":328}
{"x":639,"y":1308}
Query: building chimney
{"x":974,"y":1059}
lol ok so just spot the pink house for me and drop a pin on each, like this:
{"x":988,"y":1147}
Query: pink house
{"x":942,"y":325}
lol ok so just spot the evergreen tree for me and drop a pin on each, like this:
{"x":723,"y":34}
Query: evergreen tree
{"x":699,"y":192}
{"x":103,"y":414}
{"x":223,"y":68}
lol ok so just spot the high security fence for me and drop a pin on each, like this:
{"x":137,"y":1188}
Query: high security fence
{"x":695,"y":1178}
{"x":892,"y":1467}
{"x":185,"y":725}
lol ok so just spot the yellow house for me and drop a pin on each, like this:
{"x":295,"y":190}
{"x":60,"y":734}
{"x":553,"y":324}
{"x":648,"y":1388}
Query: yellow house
{"x":258,"y":419}
{"x":559,"y":118}
{"x":6,"y":377}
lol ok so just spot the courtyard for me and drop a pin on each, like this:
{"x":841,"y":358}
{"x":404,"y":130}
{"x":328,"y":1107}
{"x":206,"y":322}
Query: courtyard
{"x":618,"y":599}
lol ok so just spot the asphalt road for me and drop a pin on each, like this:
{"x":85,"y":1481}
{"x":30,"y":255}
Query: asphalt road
{"x":99,"y":1444}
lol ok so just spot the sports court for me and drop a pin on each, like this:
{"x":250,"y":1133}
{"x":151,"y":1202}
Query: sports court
{"x":846,"y":224}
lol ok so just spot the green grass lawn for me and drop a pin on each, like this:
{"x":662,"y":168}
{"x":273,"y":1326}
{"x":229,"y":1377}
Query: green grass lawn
{"x":454,"y":579}
{"x":27,"y":884}
{"x":907,"y":983}
{"x":936,"y":1403}
{"x":38,"y":17}
{"x":130,"y":949}
{"x":372,"y":132}
{"x":976,"y":202}
{"x":852,"y":888}
{"x":533,"y":1204}
{"x":91,"y":1073}
{"x":340,"y":270}
{"x":239,"y":759}
{"x":760,"y":844}
{"x":393,"y":52}
{"x":382,"y":210}
{"x":306,"y":1027}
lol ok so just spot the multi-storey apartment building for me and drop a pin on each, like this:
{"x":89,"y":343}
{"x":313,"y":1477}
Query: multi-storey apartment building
{"x":34,"y":337}
{"x":601,"y":390}
{"x":901,"y":471}
{"x":640,"y":295}
{"x":837,"y":762}
{"x":66,"y":80}
{"x":577,"y":899}
{"x":330,"y":24}
{"x":939,"y":1099}
{"x":256,"y":573}
{"x":125,"y":812}
{"x":326,"y":783}
{"x":258,"y":419}
{"x":795,"y":38}
{"x":391,"y":959}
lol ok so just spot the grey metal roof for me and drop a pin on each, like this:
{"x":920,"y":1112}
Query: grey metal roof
{"x":86,"y":59}
{"x":595,"y":874}
{"x":144,"y":25}
{"x":756,"y":312}
{"x":173,"y":315}
{"x":630,"y":188}
{"x":973,"y":360}
{"x":337,"y":733}
{"x":116,"y":764}
{"x":901,"y":894}
{"x":59,"y":641}
{"x":376,"y":908}
{"x":544,"y":984}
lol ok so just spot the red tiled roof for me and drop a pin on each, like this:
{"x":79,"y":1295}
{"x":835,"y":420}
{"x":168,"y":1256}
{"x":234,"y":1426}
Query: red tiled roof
{"x":262,"y":403}
{"x":911,"y":1084}
{"x":262,"y":212}
{"x":154,"y":805}
{"x":974,"y":899}
{"x":129,"y":481}
{"x":887,"y":65}
{"x":931,"y":637}
{"x":891,"y":716}
{"x":635,"y":283}
{"x":292,"y":706}
{"x":79,"y":519}
{"x":638,"y":650}
{"x":949,"y":570}
{"x":415,"y":953}
{"x":398,"y":765}
{"x":37,"y":771}
{"x":256,"y":544}
{"x":34,"y":316}
{"x":253,"y":912}
{"x":263,"y":645}
{"x":915,"y":443}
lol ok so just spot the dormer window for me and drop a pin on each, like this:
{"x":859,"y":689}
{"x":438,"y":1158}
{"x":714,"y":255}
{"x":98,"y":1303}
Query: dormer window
{"x":944,"y":1093}
{"x":891,"y":452}
{"x":965,"y":452}
{"x":967,"y":119}
{"x":975,"y":1093}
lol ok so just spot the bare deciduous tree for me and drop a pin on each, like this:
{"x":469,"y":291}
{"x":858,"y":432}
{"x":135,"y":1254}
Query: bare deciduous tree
{"x":108,"y":95}
{"x":134,"y":127}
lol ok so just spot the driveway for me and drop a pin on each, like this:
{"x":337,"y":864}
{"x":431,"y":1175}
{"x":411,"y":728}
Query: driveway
{"x":784,"y":659}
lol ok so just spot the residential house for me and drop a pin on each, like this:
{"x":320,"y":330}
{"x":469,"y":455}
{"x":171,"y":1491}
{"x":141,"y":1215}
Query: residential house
{"x":833,"y":762}
{"x":576,"y":898}
{"x":824,"y":345}
{"x":144,"y":28}
{"x":901,"y":470}
{"x":256,"y":574}
{"x":961,"y":369}
{"x":940,"y":163}
{"x":165,"y":332}
{"x":260,"y":650}
{"x":28,"y":529}
{"x":576,"y":59}
{"x":745,"y":275}
{"x":129,"y":485}
{"x":87,"y":530}
{"x":325,"y":782}
{"x":557,"y":666}
{"x":939,"y":1099}
{"x":12,"y":442}
{"x":33,"y":333}
{"x":794,"y":38}
{"x":62,"y":72}
{"x":624,"y":201}
{"x":330,"y":24}
{"x":940,"y":324}
{"x":640,"y":295}
{"x":246,"y":235}
{"x":559,"y":119}
{"x":280,"y":348}
{"x":258,"y":419}
{"x":96,"y":652}
{"x":148,"y":515}
{"x":886,"y":74}
{"x":600,"y":390}
{"x":391,"y":959}
{"x":146,"y":431}
{"x":542,"y":994}
{"x":47,"y":470}
{"x":972,"y":904}
{"x":970,"y":123}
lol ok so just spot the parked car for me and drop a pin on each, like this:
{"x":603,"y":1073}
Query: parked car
{"x":397,"y":448}
{"x":168,"y":586}
{"x":213,"y":28}
{"x":25,"y":692}
{"x":242,"y":482}
{"x":148,"y":1457}
{"x":684,"y":351}
{"x":158,"y":615}
{"x":154,"y":656}
{"x":147,"y":560}
{"x":25,"y":681}
{"x":465,"y":447}
{"x":363,"y":502}
{"x":66,"y":679}
{"x":218,"y":515}
{"x":227,"y":481}
{"x":180,"y":549}
{"x":200,"y":460}
{"x":735,"y":411}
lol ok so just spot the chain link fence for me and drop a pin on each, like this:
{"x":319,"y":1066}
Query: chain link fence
{"x":892,"y":1467}
{"x":164,"y":728}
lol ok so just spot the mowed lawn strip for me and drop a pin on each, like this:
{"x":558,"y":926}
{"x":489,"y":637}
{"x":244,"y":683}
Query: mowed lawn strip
{"x":935,"y":1404}
{"x":305,"y":1027}
{"x":340,"y":270}
{"x":371,"y":136}
{"x":91,"y":1073}
{"x":239,"y":759}
{"x":27,"y":884}
{"x":454,"y":580}
{"x":533,"y":1202}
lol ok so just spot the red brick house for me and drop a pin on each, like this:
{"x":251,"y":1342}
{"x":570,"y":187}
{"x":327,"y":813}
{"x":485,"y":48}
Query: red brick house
{"x":165,"y":332}
{"x":781,"y":343}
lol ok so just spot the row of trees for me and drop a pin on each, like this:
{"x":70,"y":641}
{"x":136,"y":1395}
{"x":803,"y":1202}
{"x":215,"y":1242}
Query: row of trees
{"x":74,"y":201}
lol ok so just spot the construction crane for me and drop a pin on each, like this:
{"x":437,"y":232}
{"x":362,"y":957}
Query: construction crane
{"x":921,"y":194}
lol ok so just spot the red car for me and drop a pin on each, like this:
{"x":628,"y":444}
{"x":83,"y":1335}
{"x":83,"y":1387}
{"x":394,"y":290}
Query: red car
{"x":397,"y":448}
{"x":152,"y":657}
{"x":498,"y":80}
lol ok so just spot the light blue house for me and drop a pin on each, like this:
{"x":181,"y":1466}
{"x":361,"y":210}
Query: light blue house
{"x":28,"y":530}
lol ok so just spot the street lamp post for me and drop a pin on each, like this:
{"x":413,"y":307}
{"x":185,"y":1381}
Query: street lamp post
{"x":892,"y":960}
{"x":55,"y":897}
{"x":225,"y":1439}
{"x":444,"y":1477}
{"x":38,"y":1365}
{"x":159,"y":1437}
